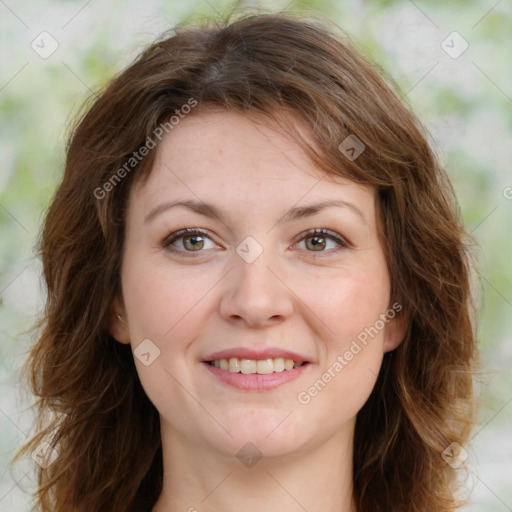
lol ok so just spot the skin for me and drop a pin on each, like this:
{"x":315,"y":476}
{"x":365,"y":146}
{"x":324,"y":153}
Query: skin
{"x":293,"y":296}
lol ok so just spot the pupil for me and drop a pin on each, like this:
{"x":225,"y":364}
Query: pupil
{"x":195,"y":237}
{"x":316,"y":244}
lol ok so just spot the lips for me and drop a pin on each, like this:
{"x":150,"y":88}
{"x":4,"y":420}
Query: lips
{"x":251,"y":369}
{"x":247,"y":380}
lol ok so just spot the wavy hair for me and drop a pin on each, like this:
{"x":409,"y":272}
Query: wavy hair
{"x":101,"y":428}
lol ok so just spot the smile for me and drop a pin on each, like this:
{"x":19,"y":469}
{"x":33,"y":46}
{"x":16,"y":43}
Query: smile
{"x":259,"y":366}
{"x":255,"y":375}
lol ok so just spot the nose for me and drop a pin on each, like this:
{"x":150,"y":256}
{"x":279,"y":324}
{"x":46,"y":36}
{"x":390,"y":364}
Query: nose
{"x":256,"y":294}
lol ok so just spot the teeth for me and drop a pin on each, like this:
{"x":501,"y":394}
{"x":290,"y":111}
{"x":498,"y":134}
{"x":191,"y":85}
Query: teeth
{"x":265,"y":366}
{"x":234,"y":365}
{"x":248,"y":365}
{"x":278,"y":364}
{"x":261,"y":366}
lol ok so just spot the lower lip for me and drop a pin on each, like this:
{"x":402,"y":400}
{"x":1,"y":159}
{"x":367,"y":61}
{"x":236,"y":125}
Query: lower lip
{"x":255,"y":381}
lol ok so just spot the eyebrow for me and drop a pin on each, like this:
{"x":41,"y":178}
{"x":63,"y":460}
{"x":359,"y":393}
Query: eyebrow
{"x":211,"y":211}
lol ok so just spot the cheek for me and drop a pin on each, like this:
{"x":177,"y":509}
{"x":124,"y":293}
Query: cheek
{"x":159,"y":297}
{"x":353,"y":352}
{"x":350,"y":307}
{"x":350,"y":303}
{"x":163,"y":305}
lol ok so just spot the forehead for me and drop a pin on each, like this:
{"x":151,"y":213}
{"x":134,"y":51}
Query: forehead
{"x":228,"y":158}
{"x":236,"y":144}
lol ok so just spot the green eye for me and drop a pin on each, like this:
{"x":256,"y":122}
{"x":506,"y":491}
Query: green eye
{"x":193,"y":241}
{"x":319,"y":238}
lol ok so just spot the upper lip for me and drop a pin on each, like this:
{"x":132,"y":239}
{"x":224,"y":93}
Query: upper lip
{"x":251,"y":353}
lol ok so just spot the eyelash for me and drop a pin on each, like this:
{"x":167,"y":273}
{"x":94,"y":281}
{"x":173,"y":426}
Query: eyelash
{"x":344,"y":244}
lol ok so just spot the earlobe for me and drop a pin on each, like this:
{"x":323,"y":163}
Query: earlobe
{"x":117,"y":323}
{"x":396,"y":330}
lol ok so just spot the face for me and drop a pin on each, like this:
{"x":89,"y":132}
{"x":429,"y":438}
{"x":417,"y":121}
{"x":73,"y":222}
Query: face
{"x":254,"y":283}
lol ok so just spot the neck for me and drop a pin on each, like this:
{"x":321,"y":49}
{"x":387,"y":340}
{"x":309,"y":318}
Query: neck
{"x":201,"y":479}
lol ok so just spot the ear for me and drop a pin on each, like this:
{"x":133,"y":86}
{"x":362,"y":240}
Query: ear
{"x":396,"y":328}
{"x":117,"y":322}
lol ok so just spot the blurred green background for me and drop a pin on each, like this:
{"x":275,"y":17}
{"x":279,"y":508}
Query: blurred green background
{"x":463,"y":100}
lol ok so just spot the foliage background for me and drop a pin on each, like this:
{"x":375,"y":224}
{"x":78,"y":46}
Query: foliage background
{"x":465,"y":103}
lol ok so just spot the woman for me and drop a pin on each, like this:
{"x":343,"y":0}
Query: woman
{"x":258,"y":288}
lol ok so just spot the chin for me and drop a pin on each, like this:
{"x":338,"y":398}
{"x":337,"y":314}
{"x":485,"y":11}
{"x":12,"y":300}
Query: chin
{"x":273,"y":434}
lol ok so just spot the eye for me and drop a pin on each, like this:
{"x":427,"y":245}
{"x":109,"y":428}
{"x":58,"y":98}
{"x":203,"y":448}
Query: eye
{"x":193,"y":240}
{"x":318,"y":241}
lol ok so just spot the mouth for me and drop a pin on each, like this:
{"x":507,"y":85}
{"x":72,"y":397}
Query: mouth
{"x":256,"y":366}
{"x":255,"y":375}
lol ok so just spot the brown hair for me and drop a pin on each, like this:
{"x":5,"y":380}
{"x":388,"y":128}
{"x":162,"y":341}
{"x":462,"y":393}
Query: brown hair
{"x":90,"y":402}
